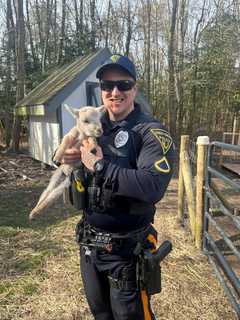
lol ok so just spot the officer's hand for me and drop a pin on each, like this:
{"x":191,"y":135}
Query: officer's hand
{"x":71,"y":156}
{"x":89,"y":157}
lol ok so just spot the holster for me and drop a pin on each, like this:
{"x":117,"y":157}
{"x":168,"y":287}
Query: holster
{"x":148,"y":275}
{"x":149,"y":269}
{"x":79,"y":230}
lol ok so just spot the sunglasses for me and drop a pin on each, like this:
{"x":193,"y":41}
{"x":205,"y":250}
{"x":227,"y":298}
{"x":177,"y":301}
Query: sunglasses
{"x":122,"y":85}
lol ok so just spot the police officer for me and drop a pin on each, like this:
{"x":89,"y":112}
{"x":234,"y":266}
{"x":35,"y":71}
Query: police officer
{"x":127,"y":174}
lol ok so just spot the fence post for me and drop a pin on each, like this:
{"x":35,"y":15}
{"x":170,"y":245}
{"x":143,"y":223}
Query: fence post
{"x":183,"y":147}
{"x":188,"y":184}
{"x":202,"y":147}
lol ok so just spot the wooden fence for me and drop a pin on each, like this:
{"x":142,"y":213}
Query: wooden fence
{"x":195,"y":195}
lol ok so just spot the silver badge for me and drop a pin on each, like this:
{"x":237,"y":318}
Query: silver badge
{"x":121,"y":139}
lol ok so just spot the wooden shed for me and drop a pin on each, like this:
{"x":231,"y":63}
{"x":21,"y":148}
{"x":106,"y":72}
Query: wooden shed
{"x":75,"y":85}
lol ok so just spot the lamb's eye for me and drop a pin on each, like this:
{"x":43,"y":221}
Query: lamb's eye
{"x":86,"y":121}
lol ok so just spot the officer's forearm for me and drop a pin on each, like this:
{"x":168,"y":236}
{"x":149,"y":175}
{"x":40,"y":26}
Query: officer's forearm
{"x":140,"y":184}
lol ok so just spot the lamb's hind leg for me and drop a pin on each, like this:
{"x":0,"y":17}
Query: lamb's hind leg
{"x":51,"y":197}
{"x":56,"y":178}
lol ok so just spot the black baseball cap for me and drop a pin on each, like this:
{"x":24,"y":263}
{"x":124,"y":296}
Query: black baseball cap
{"x":118,"y":61}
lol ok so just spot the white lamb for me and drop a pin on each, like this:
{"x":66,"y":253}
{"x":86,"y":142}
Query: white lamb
{"x":88,"y":126}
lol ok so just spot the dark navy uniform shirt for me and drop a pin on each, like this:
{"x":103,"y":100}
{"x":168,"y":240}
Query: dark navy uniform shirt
{"x":139,"y":156}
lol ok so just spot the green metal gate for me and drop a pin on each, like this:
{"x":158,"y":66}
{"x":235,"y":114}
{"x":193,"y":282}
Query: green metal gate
{"x":216,"y":237}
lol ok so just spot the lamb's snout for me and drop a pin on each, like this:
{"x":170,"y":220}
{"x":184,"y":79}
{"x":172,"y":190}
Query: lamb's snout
{"x":99,"y":132}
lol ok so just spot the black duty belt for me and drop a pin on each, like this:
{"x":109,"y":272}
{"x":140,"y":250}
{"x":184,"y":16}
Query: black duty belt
{"x":105,"y":240}
{"x":122,"y":284}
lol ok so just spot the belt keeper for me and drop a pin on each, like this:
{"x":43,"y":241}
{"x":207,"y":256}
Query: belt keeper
{"x":122,"y":284}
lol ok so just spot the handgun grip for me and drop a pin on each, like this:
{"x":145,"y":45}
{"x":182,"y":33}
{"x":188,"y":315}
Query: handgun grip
{"x":164,"y":249}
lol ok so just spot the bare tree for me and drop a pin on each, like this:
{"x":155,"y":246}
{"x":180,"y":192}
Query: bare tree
{"x":9,"y":53}
{"x":39,"y":24}
{"x":20,"y":45}
{"x":55,"y":31}
{"x":172,"y":103}
{"x":183,"y":22}
{"x":93,"y":24}
{"x":148,"y":47}
{"x":108,"y":23}
{"x":28,"y":24}
{"x":145,"y":22}
{"x":196,"y":40}
{"x":129,"y":28}
{"x":78,"y":23}
{"x":62,"y":34}
{"x":48,"y":11}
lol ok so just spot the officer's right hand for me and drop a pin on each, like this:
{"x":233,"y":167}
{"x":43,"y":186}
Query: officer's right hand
{"x":71,"y":156}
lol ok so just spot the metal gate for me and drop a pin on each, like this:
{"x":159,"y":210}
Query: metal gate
{"x":221,"y":238}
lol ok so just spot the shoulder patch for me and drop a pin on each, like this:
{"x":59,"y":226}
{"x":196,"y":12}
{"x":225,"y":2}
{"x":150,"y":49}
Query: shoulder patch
{"x":162,"y":165}
{"x":164,"y":139}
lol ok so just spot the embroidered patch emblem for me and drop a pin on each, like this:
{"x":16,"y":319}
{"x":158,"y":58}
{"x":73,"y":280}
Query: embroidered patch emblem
{"x":79,"y":186}
{"x":164,"y":138}
{"x":115,"y":58}
{"x":162,"y":165}
{"x":121,"y":139}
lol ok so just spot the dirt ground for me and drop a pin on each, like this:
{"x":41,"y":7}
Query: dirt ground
{"x":39,"y":265}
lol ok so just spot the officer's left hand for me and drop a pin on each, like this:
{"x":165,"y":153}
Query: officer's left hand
{"x":89,"y":158}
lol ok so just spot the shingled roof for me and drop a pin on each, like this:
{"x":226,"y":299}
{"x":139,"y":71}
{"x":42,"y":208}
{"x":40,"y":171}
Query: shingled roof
{"x":61,"y":78}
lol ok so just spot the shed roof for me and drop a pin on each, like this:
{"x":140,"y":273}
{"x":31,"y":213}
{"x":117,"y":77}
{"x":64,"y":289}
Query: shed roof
{"x":59,"y":79}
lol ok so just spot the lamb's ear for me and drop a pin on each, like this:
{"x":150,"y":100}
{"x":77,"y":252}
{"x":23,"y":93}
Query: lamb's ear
{"x":101,"y":109}
{"x":74,"y":112}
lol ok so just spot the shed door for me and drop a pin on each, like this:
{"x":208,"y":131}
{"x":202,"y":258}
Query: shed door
{"x":93,"y":94}
{"x":43,"y":140}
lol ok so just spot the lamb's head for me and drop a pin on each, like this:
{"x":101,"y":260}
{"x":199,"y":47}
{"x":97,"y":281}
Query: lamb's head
{"x":88,"y":120}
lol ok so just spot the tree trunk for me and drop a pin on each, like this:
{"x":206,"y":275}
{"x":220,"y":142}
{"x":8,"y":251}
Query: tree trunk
{"x":46,"y":35}
{"x":79,"y":27}
{"x":39,"y":24}
{"x":62,"y":35}
{"x":183,"y":27}
{"x":81,"y":16}
{"x":20,"y":72}
{"x":172,"y":103}
{"x":10,"y":45}
{"x":196,"y":40}
{"x":129,"y":29}
{"x":148,"y":62}
{"x":107,"y":24}
{"x":93,"y":25}
{"x":28,"y":23}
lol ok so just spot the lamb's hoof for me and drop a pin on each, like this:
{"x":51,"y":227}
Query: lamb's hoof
{"x":32,"y":215}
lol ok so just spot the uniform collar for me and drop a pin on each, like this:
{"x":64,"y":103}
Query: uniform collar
{"x":113,"y":125}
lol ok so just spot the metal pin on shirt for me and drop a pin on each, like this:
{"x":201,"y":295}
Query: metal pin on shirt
{"x":87,"y":253}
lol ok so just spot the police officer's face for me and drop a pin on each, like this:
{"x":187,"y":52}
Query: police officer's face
{"x":119,"y":103}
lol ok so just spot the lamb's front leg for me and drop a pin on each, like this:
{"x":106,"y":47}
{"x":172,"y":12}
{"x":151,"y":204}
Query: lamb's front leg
{"x":68,"y":141}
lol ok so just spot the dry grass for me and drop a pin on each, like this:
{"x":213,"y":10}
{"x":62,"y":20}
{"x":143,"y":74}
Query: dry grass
{"x":39,"y":269}
{"x":190,"y":289}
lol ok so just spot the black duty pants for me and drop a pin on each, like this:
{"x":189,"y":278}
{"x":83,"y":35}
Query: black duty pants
{"x":106,"y":300}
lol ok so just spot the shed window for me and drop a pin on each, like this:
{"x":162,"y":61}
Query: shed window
{"x":93,"y":94}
